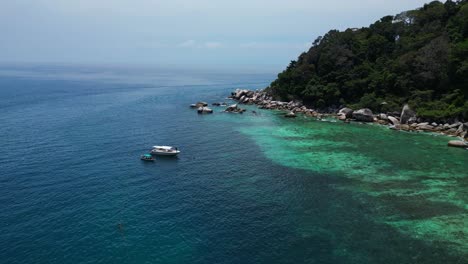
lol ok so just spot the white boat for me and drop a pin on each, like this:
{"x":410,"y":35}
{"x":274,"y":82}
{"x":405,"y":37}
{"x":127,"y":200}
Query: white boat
{"x":165,"y":150}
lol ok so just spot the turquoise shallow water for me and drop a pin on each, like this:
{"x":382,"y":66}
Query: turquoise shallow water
{"x":246,"y":189}
{"x":418,"y":184}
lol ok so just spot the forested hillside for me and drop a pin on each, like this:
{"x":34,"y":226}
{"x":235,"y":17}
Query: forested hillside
{"x":419,"y":57}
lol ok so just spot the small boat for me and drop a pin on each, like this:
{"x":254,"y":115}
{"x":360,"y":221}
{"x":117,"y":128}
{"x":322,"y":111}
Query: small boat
{"x":147,"y":157}
{"x":165,"y":151}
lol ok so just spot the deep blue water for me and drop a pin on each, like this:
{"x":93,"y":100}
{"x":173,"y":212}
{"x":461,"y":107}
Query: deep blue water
{"x":70,"y":173}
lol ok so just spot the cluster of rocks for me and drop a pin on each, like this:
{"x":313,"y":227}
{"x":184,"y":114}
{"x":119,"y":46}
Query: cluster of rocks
{"x":202,"y":108}
{"x":199,"y":104}
{"x":265,"y":101}
{"x":235,"y":109}
{"x":219,"y":104}
{"x":406,"y":120}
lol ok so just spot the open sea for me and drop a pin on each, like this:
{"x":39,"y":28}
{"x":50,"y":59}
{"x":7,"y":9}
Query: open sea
{"x":251,"y":188}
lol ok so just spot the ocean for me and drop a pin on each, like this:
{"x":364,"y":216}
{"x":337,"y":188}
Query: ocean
{"x":251,"y":188}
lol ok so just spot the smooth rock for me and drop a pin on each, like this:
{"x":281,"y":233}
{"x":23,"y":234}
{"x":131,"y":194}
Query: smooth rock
{"x":348,"y":112}
{"x":342,"y":117}
{"x":460,"y":129}
{"x":463,"y":134}
{"x":455,"y":125}
{"x":290,"y":115}
{"x":451,"y":131}
{"x":406,"y":114}
{"x":383,"y":116}
{"x":457,"y":144}
{"x":202,"y":110}
{"x":405,"y":127}
{"x":382,"y":122}
{"x":425,"y":127}
{"x":363,"y":115}
{"x":394,"y":120}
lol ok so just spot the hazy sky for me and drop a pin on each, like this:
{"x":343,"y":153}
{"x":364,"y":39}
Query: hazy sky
{"x":209,"y":33}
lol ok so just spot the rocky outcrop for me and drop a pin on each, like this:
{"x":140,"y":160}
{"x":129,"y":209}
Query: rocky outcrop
{"x":234,"y":109}
{"x":407,"y":115}
{"x":407,"y":120}
{"x":363,"y":115}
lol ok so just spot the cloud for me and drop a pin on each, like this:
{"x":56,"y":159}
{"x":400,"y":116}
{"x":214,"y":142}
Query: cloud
{"x":275,"y":45}
{"x":188,"y":43}
{"x":212,"y":44}
{"x":249,"y":45}
{"x":194,"y":44}
{"x":177,"y":30}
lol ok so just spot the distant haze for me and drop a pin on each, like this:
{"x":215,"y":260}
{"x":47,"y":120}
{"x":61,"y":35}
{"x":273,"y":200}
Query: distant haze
{"x":205,"y":33}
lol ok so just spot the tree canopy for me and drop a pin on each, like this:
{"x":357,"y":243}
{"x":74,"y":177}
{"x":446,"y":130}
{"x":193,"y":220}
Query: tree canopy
{"x":419,"y":57}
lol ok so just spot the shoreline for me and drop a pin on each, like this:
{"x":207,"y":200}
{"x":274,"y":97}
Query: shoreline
{"x":406,"y":121}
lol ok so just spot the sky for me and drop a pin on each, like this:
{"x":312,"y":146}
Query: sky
{"x":188,"y":33}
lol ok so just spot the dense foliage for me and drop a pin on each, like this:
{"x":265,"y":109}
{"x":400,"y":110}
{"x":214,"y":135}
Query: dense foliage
{"x":418,"y":57}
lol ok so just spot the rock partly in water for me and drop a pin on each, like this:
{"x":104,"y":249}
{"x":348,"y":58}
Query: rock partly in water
{"x":425,"y":127}
{"x":394,"y":120}
{"x":404,"y":127}
{"x":347,"y":112}
{"x":234,"y":109}
{"x":291,"y":114}
{"x":204,"y":110}
{"x":363,"y":115}
{"x":457,"y":144}
{"x":383,"y":116}
{"x":199,"y":104}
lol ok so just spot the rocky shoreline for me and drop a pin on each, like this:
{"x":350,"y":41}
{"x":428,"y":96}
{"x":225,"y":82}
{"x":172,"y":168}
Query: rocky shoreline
{"x":406,"y":120}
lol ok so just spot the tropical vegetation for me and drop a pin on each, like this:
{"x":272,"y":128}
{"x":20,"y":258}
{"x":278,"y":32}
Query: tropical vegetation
{"x":419,"y":57}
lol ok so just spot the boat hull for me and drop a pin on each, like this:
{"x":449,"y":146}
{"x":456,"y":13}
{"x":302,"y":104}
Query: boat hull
{"x":165,"y":153}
